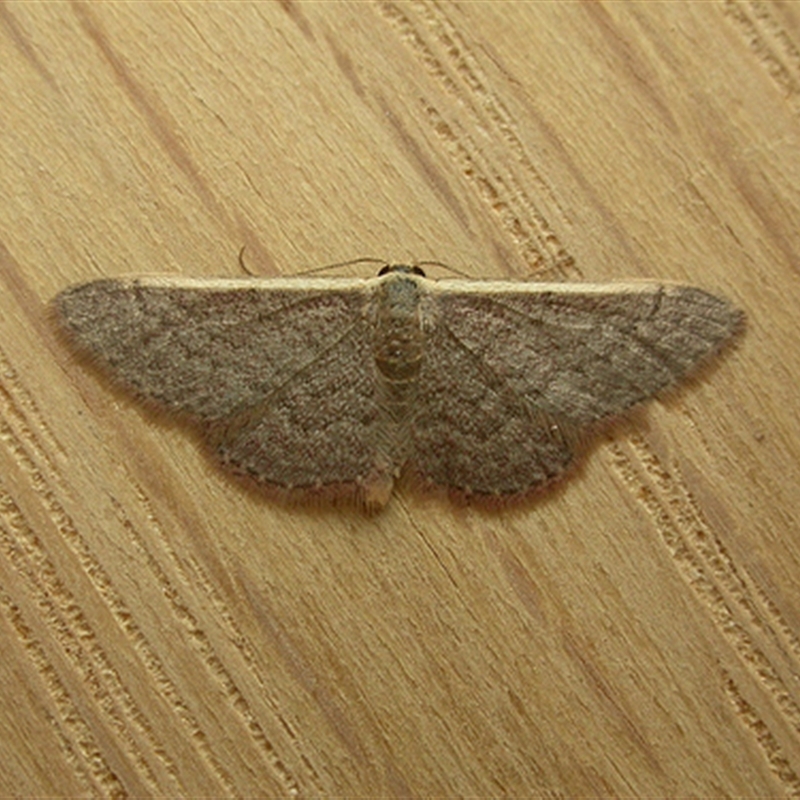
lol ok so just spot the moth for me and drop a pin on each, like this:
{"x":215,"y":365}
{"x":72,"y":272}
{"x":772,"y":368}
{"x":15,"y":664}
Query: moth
{"x":333,"y":386}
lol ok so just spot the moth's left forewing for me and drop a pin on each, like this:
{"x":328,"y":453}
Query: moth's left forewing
{"x":277,"y":370}
{"x":207,"y":347}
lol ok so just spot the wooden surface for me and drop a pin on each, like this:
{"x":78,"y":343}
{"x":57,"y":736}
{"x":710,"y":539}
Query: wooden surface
{"x":634,"y":632}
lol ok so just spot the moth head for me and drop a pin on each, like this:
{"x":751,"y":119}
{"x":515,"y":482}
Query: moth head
{"x":403,"y":268}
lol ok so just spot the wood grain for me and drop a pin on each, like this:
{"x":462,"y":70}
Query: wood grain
{"x":634,"y":632}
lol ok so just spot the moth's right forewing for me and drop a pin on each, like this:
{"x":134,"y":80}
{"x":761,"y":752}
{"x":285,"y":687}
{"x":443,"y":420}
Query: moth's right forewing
{"x":583,"y":352}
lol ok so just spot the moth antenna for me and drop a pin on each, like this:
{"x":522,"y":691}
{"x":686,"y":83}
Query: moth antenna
{"x":364,"y":260}
{"x":244,"y":266}
{"x":441,"y":264}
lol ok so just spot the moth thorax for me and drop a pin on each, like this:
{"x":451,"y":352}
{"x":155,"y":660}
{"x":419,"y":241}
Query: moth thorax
{"x":399,"y":341}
